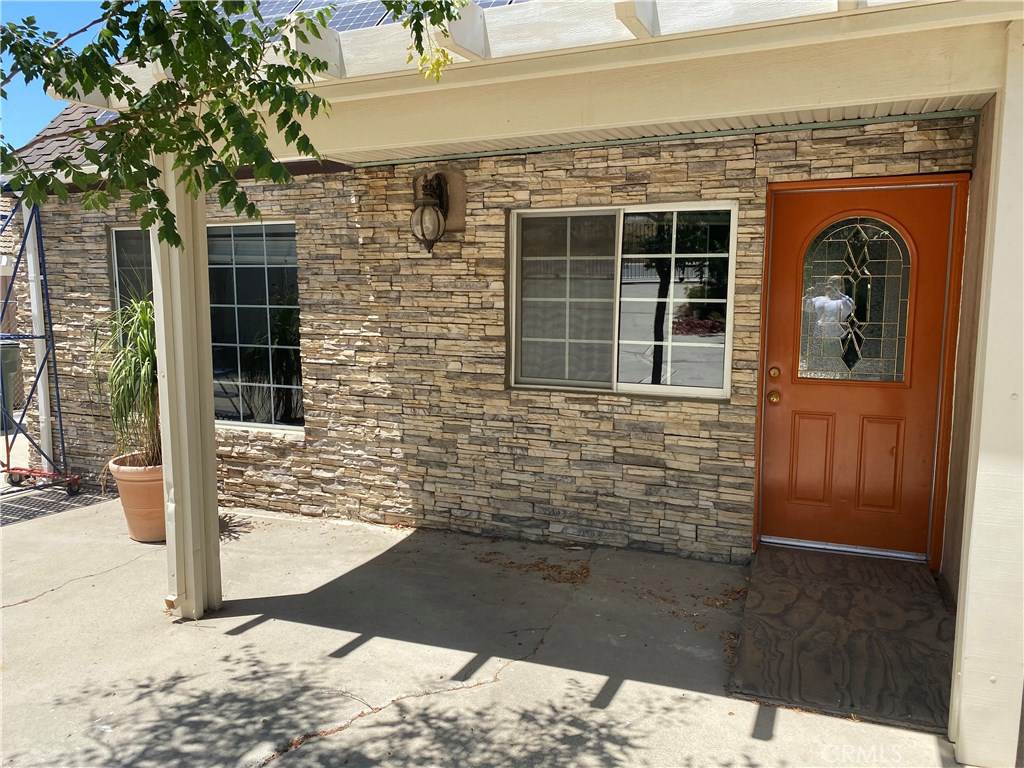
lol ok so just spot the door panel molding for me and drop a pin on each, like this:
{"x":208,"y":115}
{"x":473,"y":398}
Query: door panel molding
{"x":811,"y":451}
{"x":879,"y":469}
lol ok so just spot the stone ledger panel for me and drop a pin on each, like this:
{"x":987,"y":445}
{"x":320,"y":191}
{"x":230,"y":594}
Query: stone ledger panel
{"x":408,"y":417}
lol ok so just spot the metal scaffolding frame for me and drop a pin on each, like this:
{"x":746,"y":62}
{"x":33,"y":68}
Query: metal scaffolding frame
{"x":53,"y":469}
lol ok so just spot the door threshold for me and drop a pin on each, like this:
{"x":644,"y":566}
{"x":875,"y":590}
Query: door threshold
{"x":890,"y":554}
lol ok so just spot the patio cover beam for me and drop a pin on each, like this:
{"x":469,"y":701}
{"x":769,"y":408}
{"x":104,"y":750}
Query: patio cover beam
{"x":570,"y":105}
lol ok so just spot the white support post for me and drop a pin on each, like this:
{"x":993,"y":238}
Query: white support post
{"x":988,"y":665}
{"x":185,"y":370}
{"x":39,"y":346}
{"x":640,"y":17}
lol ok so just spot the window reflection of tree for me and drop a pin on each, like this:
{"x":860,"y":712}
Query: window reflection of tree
{"x":651,"y":233}
{"x":711,"y":277}
{"x":702,"y":233}
{"x":259,"y":402}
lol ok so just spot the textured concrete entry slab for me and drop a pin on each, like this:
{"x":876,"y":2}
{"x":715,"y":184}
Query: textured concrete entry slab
{"x":854,"y":636}
{"x":348,"y":644}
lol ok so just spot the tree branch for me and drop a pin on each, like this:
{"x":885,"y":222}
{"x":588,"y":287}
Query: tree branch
{"x":17,"y":70}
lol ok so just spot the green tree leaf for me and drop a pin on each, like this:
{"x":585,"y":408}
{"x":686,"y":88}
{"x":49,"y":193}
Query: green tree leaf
{"x":227,"y":81}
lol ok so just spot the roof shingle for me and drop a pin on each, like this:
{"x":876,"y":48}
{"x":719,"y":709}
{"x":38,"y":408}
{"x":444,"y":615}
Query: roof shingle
{"x":72,"y":116}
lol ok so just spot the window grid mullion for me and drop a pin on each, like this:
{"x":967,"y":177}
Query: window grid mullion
{"x":238,"y":347}
{"x":617,"y":308}
{"x":568,"y":292}
{"x":671,"y":299}
{"x":270,"y":354}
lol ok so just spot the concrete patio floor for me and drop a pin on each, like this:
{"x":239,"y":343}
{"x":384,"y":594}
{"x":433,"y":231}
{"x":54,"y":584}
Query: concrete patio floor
{"x":344,"y":644}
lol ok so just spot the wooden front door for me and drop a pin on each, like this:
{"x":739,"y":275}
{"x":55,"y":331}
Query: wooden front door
{"x":861,"y":306}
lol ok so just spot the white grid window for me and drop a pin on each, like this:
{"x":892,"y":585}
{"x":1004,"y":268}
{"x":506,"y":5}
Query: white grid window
{"x":254,"y":313}
{"x":629,"y":299}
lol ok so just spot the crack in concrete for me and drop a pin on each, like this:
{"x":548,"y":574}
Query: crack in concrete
{"x":522,"y":629}
{"x":298,"y":741}
{"x":79,"y":578}
{"x":352,"y":696}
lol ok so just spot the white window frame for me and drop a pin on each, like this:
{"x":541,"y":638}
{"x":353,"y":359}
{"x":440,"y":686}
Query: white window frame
{"x":658,"y":390}
{"x":116,"y":272}
{"x":251,"y":426}
{"x":261,"y":426}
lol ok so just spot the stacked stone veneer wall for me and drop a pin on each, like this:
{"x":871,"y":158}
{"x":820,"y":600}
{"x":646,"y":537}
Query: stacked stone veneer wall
{"x":408,"y":415}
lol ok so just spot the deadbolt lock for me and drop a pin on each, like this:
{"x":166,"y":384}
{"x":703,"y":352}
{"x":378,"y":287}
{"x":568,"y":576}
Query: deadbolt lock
{"x":774,"y":397}
{"x":773,"y":372}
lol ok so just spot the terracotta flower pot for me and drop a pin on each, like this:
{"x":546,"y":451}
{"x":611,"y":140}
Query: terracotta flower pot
{"x":142,"y":497}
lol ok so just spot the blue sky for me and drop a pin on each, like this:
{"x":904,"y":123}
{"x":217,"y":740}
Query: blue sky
{"x":27,"y":108}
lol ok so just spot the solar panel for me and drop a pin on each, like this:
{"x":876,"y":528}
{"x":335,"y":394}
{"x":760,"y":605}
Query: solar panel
{"x":272,"y":10}
{"x":348,"y":15}
{"x":357,"y":16}
{"x":387,"y":18}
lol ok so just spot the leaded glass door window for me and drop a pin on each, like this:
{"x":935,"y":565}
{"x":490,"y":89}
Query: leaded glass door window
{"x":856,"y":286}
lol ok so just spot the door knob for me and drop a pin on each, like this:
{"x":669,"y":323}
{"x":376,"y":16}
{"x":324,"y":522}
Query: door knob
{"x":774,"y":397}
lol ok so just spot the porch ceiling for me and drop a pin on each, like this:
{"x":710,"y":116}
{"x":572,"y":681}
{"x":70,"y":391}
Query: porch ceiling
{"x":833,"y":69}
{"x":504,"y":144}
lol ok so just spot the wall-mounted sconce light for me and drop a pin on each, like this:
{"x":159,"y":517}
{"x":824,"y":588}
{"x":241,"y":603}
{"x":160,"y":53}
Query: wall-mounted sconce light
{"x":428,"y":218}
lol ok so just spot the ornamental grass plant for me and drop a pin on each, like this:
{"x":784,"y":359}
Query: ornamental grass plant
{"x":132,"y":382}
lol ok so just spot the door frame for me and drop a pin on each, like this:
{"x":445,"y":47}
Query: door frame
{"x":950,"y":329}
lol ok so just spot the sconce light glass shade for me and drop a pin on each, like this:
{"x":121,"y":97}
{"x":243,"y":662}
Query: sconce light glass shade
{"x":427,"y":223}
{"x":431,"y":208}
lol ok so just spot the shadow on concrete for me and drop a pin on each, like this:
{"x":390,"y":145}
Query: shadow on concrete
{"x":440,"y":618}
{"x":216,"y":728}
{"x":631,"y":616}
{"x":351,"y":647}
{"x":232,"y":527}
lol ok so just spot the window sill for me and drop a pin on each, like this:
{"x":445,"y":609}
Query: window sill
{"x":714,"y":397}
{"x":287,"y":434}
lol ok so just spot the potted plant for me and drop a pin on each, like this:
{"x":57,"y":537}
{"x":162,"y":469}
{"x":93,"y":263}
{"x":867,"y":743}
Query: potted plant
{"x":135,"y":415}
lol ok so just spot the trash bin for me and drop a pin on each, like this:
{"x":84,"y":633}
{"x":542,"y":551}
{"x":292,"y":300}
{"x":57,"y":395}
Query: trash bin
{"x":10,"y":383}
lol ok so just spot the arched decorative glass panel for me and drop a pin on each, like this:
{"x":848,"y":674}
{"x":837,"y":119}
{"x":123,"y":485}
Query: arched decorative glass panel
{"x":856,"y":285}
